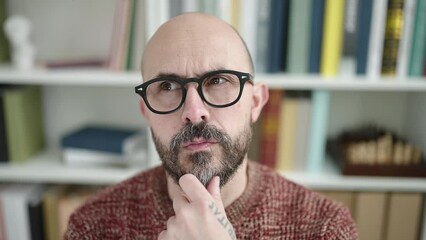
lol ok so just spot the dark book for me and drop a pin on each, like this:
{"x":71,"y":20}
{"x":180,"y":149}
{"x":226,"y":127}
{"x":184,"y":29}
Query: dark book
{"x":35,"y":212}
{"x":364,"y":24}
{"x":99,"y":138}
{"x":3,"y":138}
{"x":278,"y":36}
{"x":316,"y":36}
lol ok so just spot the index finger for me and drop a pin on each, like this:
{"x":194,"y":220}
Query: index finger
{"x":193,"y":188}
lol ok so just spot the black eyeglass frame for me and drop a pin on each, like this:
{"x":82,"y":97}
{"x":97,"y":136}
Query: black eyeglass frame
{"x":243,"y":78}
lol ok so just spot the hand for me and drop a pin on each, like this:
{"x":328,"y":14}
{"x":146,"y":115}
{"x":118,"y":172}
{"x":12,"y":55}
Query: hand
{"x":199,"y":212}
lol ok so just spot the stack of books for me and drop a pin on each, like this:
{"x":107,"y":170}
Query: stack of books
{"x":94,"y":145}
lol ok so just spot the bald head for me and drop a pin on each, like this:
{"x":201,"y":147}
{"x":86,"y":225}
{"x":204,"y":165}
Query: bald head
{"x":194,"y":43}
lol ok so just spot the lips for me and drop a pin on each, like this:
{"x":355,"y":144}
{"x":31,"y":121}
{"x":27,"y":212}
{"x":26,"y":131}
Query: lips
{"x":198,"y":144}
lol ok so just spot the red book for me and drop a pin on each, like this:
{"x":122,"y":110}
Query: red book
{"x":269,"y":128}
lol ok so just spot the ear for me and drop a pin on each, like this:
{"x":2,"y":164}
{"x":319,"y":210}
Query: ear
{"x":142,"y":108}
{"x":260,"y":97}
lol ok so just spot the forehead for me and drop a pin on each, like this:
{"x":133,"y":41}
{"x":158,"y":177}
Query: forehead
{"x":193,"y":52}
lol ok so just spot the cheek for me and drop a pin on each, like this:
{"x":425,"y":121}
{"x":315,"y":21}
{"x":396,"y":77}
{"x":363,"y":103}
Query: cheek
{"x":164,"y":128}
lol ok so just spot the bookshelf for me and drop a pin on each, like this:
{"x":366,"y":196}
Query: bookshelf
{"x":98,"y":85}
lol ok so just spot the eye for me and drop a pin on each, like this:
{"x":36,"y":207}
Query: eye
{"x":216,"y":80}
{"x":168,"y":86}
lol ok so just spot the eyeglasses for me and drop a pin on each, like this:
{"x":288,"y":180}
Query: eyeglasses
{"x":221,"y":88}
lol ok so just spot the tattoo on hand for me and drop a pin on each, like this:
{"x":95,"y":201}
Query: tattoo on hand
{"x":221,"y":218}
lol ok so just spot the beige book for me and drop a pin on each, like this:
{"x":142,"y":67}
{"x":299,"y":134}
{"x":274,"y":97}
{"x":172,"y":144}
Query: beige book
{"x":404,"y":213}
{"x":287,"y":135}
{"x":345,"y":197}
{"x":370,"y":214}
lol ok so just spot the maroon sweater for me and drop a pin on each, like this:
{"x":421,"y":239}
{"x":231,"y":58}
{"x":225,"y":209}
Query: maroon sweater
{"x":271,"y":207}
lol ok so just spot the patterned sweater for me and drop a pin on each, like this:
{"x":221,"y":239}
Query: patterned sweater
{"x":271,"y":207}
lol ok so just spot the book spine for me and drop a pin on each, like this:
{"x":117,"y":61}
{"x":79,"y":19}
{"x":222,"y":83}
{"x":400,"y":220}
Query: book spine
{"x":298,"y":36}
{"x":364,"y":25}
{"x":277,"y":35}
{"x":406,"y":37}
{"x":394,"y":24}
{"x":286,"y":134}
{"x":418,"y":46}
{"x":370,"y":214}
{"x":4,"y":46}
{"x":377,"y":33}
{"x":347,"y":65}
{"x":332,"y":37}
{"x":269,"y":129}
{"x":315,"y":44}
{"x":248,"y":26}
{"x":263,"y":35}
{"x":3,"y":135}
{"x":405,"y":206}
{"x":321,"y":103}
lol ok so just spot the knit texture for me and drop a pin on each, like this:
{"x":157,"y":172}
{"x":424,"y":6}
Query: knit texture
{"x":271,"y":207}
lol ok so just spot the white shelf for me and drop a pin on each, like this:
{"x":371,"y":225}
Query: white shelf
{"x":104,"y":77}
{"x":47,"y":168}
{"x":330,"y":179}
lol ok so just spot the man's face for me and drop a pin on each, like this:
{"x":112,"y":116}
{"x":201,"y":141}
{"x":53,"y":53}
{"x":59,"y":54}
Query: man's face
{"x":197,"y":138}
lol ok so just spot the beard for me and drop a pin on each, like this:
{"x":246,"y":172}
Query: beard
{"x":222,"y":159}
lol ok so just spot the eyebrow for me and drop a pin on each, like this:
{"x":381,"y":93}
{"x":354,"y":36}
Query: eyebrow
{"x":174,"y":75}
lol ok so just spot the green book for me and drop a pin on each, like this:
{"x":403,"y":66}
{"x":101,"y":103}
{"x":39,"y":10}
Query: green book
{"x":418,"y":47}
{"x":299,"y":36}
{"x":4,"y":45}
{"x":23,"y":120}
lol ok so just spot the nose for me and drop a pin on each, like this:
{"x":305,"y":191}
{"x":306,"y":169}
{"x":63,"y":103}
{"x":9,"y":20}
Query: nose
{"x":194,"y":108}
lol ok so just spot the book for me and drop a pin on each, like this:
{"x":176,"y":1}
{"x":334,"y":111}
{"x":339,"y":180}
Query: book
{"x":287,"y":132}
{"x":406,"y":206}
{"x":24,"y":122}
{"x":139,"y":35}
{"x":94,"y":145}
{"x":269,"y":129}
{"x":332,"y":37}
{"x":50,"y":211}
{"x":418,"y":45}
{"x":347,"y":65}
{"x":15,"y":199}
{"x":406,"y":38}
{"x":4,"y":45}
{"x":209,"y":6}
{"x":318,"y":128}
{"x":156,"y":13}
{"x":364,"y":29}
{"x":35,"y":212}
{"x":3,"y":140}
{"x":346,"y":198}
{"x":315,"y":41}
{"x":235,"y":14}
{"x":263,"y":22}
{"x":254,"y":150}
{"x":224,"y":10}
{"x":192,"y":5}
{"x":2,"y":216}
{"x":248,"y":25}
{"x":299,"y":36}
{"x":370,"y":214}
{"x":176,"y":8}
{"x":303,"y":121}
{"x":277,"y":46}
{"x":393,"y":32}
{"x":376,"y":40}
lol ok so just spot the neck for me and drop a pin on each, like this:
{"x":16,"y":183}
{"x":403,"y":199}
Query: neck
{"x":232,"y":190}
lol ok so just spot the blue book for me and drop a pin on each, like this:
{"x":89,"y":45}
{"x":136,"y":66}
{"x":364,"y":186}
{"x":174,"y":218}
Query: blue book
{"x":106,"y":139}
{"x":278,"y":36}
{"x":320,"y":106}
{"x":316,"y":36}
{"x":364,"y":24}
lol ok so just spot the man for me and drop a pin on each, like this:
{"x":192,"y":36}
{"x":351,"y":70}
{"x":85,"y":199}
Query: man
{"x":200,"y":100}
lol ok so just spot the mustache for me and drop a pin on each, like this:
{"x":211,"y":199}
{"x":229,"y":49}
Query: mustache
{"x":201,"y":130}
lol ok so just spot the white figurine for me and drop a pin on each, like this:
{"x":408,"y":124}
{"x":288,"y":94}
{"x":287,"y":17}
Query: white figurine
{"x":17,"y":29}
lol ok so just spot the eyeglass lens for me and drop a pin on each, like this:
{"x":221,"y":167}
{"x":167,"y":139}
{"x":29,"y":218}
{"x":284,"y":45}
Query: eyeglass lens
{"x":219,"y":89}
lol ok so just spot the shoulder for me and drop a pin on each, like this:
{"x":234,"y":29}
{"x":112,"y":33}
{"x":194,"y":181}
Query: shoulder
{"x":295,"y":206}
{"x":112,"y":209}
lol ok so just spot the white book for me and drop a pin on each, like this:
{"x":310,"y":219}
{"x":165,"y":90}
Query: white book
{"x":190,"y":5}
{"x":303,"y":121}
{"x":157,"y":12}
{"x":406,"y":38}
{"x":15,"y":200}
{"x":139,"y":35}
{"x":225,"y":10}
{"x":377,"y":36}
{"x":248,"y":25}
